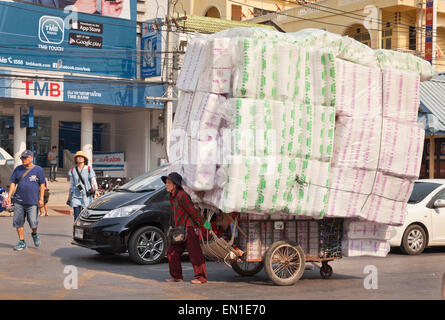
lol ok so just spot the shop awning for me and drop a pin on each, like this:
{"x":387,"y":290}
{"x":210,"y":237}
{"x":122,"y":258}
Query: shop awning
{"x":208,"y":25}
{"x":432,"y":105}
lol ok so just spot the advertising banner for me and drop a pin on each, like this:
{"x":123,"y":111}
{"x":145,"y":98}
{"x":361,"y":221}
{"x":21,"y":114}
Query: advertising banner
{"x":95,"y":37}
{"x":430,"y":30}
{"x":151,"y":46}
{"x":111,"y":161}
{"x":80,"y":90}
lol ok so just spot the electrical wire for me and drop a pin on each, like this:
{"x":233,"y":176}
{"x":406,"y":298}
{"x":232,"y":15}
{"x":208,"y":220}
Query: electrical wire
{"x":336,"y":24}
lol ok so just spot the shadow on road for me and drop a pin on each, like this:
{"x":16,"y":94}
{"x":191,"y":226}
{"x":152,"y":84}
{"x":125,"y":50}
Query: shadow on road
{"x":122,"y":265}
{"x":436,"y":249}
{"x":5,"y":245}
{"x":56,"y":235}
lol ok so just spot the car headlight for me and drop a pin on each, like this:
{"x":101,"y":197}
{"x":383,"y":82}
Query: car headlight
{"x":84,"y":212}
{"x":123,"y":211}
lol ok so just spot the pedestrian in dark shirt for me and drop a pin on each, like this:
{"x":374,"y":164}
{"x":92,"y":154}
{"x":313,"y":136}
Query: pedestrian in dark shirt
{"x":28,"y":182}
{"x":184,"y":214}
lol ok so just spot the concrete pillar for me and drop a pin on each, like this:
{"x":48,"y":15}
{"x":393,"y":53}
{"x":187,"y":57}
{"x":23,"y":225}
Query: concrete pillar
{"x":19,"y":136}
{"x":148,"y":117}
{"x":86,"y":134}
{"x":432,"y":157}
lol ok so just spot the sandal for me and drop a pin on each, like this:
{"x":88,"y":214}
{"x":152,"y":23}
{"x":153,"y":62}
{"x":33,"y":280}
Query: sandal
{"x":196,"y":281}
{"x":174,"y":280}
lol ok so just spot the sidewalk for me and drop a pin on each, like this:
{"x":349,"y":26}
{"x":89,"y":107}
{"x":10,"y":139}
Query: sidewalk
{"x":58,"y":194}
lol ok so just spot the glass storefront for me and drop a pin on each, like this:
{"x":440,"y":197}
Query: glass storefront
{"x":7,"y":133}
{"x":38,"y":139}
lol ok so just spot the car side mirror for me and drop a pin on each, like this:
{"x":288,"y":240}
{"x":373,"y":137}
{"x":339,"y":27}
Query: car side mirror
{"x":439,"y":203}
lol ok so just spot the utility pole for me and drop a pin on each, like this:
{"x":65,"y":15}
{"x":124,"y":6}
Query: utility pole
{"x":168,"y":106}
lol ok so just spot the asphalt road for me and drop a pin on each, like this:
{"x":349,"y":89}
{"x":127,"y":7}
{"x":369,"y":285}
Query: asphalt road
{"x":46,"y":273}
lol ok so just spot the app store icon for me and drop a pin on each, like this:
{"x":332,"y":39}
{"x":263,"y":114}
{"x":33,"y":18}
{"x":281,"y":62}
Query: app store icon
{"x":51,"y":30}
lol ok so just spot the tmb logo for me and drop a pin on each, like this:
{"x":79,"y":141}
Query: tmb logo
{"x":51,"y":30}
{"x":40,"y":90}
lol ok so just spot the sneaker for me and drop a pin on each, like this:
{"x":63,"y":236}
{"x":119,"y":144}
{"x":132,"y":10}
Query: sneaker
{"x":36,"y":239}
{"x":20,"y":246}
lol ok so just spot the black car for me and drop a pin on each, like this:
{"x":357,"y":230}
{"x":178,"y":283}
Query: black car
{"x":134,"y":217}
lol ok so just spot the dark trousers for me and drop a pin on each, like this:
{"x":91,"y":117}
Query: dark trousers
{"x":52,"y":172}
{"x":175,"y":251}
{"x":77,"y":211}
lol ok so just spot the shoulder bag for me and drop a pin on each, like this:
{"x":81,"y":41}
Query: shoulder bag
{"x":89,"y":192}
{"x":178,"y":234}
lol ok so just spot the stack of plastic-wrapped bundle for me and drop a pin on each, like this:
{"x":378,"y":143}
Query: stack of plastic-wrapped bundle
{"x":309,"y":124}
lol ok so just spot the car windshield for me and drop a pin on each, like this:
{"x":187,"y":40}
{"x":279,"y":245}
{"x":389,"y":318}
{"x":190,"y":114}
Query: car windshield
{"x":148,"y":181}
{"x":421,"y":190}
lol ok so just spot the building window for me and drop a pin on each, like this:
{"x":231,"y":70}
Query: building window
{"x":7,"y":133}
{"x":213,"y":13}
{"x":386,"y":39}
{"x":412,"y":38}
{"x":261,"y":12}
{"x":236,"y":13}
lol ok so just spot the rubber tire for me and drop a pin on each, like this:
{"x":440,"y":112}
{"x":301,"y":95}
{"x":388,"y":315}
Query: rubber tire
{"x":132,"y":250}
{"x":268,"y":263}
{"x":326,"y":271}
{"x":246,"y":273}
{"x":405,"y":247}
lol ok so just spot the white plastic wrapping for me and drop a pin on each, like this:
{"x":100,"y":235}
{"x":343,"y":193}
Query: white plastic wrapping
{"x":389,"y":59}
{"x":401,"y":94}
{"x":259,"y":109}
{"x":359,"y":89}
{"x":401,"y":149}
{"x":358,"y":229}
{"x":365,"y":247}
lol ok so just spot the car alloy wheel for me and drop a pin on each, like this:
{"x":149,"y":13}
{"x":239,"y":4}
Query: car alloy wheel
{"x":147,"y":245}
{"x":415,"y":240}
{"x":150,"y":245}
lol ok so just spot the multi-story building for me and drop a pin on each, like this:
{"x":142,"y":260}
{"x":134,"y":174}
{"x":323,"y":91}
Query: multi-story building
{"x":240,"y":10}
{"x":389,"y":24}
{"x":74,"y":74}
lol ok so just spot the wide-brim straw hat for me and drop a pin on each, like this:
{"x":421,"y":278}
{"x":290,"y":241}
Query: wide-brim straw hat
{"x":80,"y":154}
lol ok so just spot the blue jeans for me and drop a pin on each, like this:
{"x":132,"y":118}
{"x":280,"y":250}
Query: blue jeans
{"x":77,"y":211}
{"x":25,"y":210}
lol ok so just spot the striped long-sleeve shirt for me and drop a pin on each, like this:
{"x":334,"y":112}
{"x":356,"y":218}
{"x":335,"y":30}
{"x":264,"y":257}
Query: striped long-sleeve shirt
{"x":182,"y":208}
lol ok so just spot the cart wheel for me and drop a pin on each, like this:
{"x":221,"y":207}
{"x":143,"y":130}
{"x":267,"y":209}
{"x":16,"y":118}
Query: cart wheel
{"x":325,"y":270}
{"x":247,"y":269}
{"x":284,"y":262}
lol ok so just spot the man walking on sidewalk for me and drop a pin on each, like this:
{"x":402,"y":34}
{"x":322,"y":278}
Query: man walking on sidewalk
{"x":28,"y":182}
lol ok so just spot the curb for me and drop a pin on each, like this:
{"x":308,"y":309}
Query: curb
{"x":61,"y":209}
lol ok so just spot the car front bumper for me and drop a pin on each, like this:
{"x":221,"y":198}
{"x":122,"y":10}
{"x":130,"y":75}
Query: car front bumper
{"x":108,"y":235}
